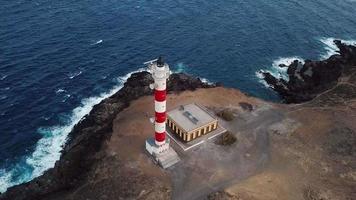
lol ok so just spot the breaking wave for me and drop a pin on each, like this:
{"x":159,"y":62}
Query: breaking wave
{"x":260,"y":79}
{"x":5,"y":88}
{"x":3,"y":77}
{"x":276,"y":70}
{"x":48,"y":148}
{"x":60,"y":91}
{"x":73,"y":75}
{"x":280,"y":72}
{"x":97,"y":42}
{"x":331,"y":48}
{"x":205,"y":80}
{"x":181,"y":67}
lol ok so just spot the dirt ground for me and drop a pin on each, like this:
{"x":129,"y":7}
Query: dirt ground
{"x":280,"y":153}
{"x":208,"y":167}
{"x":314,"y":161}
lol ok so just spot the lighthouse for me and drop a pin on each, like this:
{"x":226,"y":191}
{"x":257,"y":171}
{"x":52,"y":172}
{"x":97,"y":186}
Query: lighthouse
{"x":158,"y":146}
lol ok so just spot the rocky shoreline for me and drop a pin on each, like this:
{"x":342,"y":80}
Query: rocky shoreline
{"x":87,"y":137}
{"x":308,"y":80}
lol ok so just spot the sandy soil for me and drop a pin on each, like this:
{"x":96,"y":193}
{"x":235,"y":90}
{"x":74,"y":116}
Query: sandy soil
{"x":280,"y":153}
{"x":209,"y":167}
{"x":311,"y":162}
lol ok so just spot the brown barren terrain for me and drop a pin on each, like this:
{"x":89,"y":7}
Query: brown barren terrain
{"x":304,"y":151}
{"x":295,"y":160}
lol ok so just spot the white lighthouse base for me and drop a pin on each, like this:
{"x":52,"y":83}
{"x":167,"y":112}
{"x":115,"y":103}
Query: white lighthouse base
{"x":163,"y":154}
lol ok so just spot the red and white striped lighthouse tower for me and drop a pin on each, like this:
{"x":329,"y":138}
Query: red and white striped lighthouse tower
{"x":160,"y":73}
{"x":159,"y":146}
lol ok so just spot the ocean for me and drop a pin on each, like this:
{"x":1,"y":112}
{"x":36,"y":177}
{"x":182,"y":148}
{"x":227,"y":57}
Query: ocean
{"x":59,"y":58}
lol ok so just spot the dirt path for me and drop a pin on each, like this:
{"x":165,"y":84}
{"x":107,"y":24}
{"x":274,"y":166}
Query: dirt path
{"x":208,"y":167}
{"x":211,"y":167}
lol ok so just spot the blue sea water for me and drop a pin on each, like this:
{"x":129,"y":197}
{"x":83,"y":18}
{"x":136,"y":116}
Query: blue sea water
{"x":59,"y":58}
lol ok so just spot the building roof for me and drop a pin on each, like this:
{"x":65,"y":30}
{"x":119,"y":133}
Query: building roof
{"x":190,"y":116}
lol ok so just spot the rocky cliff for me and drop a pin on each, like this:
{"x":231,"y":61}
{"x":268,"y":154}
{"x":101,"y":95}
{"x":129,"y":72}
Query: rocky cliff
{"x":312,"y":78}
{"x":87,"y":137}
{"x":312,"y":145}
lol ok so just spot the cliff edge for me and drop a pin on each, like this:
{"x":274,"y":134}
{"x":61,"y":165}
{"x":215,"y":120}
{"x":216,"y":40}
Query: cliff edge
{"x":308,"y":80}
{"x":282,"y":151}
{"x":87,"y":137}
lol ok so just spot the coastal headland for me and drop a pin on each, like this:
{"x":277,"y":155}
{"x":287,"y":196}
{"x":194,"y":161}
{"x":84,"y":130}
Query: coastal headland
{"x":304,"y":148}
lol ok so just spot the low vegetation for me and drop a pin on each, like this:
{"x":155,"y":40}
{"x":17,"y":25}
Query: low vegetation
{"x":226,"y":114}
{"x":227,"y":139}
{"x":246,"y":106}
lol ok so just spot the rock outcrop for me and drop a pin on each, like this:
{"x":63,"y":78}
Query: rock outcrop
{"x":308,"y":80}
{"x":87,"y":137}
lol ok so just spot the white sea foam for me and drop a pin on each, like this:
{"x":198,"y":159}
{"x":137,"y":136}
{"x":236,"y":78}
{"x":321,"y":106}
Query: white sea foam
{"x":5,"y":179}
{"x":97,"y":42}
{"x":276,"y":70}
{"x":48,"y":148}
{"x":181,"y":67}
{"x":260,"y":78}
{"x":205,"y":80}
{"x":66,"y":97}
{"x":60,"y":91}
{"x":331,"y":48}
{"x":281,"y":72}
{"x":3,"y":77}
{"x":73,"y":75}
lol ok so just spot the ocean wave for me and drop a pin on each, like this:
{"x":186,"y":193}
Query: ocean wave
{"x":48,"y":148}
{"x":5,"y":178}
{"x":331,"y":48}
{"x":66,"y":97}
{"x":180,"y":67}
{"x":205,"y":80}
{"x":60,"y":91}
{"x":280,"y":72}
{"x":276,"y":70}
{"x":73,"y":75}
{"x":2,"y":97}
{"x":6,"y":88}
{"x":97,"y":42}
{"x":260,"y":78}
{"x":3,"y":77}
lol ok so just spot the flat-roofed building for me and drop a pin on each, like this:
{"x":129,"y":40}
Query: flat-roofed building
{"x":191,"y":121}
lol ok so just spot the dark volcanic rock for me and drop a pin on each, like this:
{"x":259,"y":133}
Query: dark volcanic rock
{"x":314,"y":77}
{"x":87,"y":137}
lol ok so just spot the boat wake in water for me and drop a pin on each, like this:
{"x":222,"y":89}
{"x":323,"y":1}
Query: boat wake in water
{"x":48,"y":148}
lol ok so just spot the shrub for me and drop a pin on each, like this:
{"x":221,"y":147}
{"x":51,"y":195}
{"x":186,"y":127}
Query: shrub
{"x":226,"y":114}
{"x":227,"y":139}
